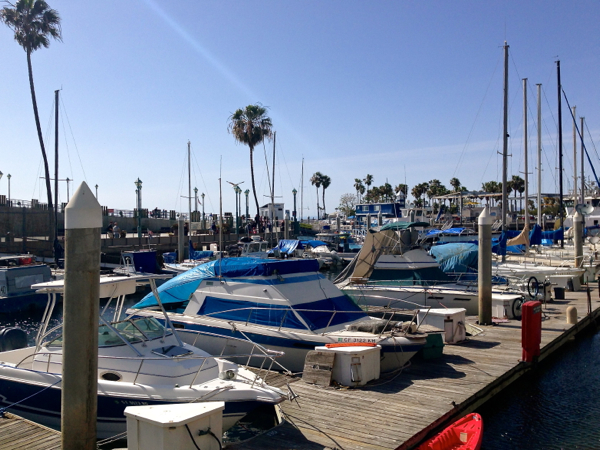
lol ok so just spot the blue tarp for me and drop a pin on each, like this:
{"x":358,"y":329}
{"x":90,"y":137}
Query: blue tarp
{"x":454,"y":231}
{"x":199,"y":254}
{"x":180,"y":288}
{"x":456,"y":257}
{"x":169,"y":257}
{"x":318,"y":314}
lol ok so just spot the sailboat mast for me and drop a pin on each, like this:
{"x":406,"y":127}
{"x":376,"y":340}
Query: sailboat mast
{"x":302,"y":192}
{"x":189,"y":192}
{"x":560,"y":157}
{"x":56,"y":255}
{"x":505,"y":145}
{"x":525,"y":150}
{"x":582,"y":174}
{"x":273,"y":189}
{"x":575,"y":196}
{"x":539,"y":130}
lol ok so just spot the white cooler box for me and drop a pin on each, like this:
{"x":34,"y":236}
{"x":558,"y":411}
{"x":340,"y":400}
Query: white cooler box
{"x":451,"y":320}
{"x":354,"y":366}
{"x":506,"y":309}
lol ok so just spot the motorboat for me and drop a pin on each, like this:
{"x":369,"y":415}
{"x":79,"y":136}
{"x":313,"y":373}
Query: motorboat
{"x":17,"y":274}
{"x":282,"y":305}
{"x":391,"y":271}
{"x":140,"y":362}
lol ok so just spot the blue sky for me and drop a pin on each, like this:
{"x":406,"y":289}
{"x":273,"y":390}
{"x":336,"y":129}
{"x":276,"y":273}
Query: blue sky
{"x":404,"y":91}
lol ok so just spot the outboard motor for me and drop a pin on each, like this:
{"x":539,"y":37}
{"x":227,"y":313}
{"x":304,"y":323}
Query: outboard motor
{"x":12,"y":338}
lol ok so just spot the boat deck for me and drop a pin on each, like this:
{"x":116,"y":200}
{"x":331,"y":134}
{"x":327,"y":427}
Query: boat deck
{"x":400,"y":411}
{"x":18,"y":433}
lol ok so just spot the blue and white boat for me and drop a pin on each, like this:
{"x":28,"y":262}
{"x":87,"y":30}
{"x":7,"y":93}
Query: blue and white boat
{"x":283,"y":305}
{"x":140,"y":362}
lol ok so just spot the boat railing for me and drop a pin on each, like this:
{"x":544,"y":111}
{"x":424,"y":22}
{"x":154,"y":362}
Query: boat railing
{"x":256,"y":380}
{"x":257,"y":351}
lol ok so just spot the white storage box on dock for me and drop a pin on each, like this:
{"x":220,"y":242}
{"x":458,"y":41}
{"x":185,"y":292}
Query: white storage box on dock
{"x":163,"y":427}
{"x":355,"y":366}
{"x":451,"y":320}
{"x":214,"y":247}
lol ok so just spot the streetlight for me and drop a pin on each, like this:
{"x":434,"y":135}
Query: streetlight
{"x":203,"y":218}
{"x":138,"y":185}
{"x":294,"y":191}
{"x":8,"y":177}
{"x":195,"y":204}
{"x":96,"y":192}
{"x":247,"y":192}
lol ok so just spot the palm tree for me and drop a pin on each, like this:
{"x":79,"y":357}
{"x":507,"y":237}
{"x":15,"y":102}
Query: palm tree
{"x":325,"y":182}
{"x":358,"y":185}
{"x":251,"y":126}
{"x":455,"y":183}
{"x":315,"y":180}
{"x":34,"y":23}
{"x":518,"y":185}
{"x":368,"y":181}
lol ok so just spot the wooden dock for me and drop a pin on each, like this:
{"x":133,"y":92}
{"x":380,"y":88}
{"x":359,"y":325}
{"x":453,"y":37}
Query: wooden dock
{"x":399,"y":412}
{"x":17,"y":433}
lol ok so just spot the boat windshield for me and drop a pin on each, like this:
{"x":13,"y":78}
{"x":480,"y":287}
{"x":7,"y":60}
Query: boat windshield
{"x":133,"y":331}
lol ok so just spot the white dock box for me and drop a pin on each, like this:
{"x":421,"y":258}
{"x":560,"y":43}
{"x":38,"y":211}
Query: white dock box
{"x":163,"y":427}
{"x":355,"y":366}
{"x":451,"y":320}
{"x":507,"y":308}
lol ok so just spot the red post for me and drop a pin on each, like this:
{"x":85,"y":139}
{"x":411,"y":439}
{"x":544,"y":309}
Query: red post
{"x":531,"y":330}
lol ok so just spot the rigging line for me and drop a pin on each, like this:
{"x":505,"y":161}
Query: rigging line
{"x":580,"y":137}
{"x":203,"y":182}
{"x":42,"y":170}
{"x":591,"y":139}
{"x":460,"y":158}
{"x":66,"y":143}
{"x":282,"y":153}
{"x":64,"y":107}
{"x":267,"y":166}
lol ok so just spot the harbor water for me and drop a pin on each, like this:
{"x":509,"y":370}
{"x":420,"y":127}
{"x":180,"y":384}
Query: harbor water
{"x":555,"y":406}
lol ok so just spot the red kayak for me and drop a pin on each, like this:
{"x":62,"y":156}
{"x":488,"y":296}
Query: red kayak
{"x":464,"y":434}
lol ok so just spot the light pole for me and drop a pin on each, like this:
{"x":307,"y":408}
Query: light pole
{"x":138,"y":185}
{"x":8,"y":177}
{"x":203,"y":217}
{"x":294,"y":191}
{"x":195,"y":205}
{"x":68,"y":196}
{"x":96,"y":192}
{"x":237,"y":191}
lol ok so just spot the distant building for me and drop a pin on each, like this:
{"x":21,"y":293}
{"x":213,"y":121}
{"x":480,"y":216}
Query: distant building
{"x":277,"y":209}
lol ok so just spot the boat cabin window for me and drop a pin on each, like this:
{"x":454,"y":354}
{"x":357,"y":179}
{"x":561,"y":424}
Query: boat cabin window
{"x":138,"y":329}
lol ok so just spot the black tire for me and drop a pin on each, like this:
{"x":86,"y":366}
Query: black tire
{"x":516,"y":308}
{"x":533,"y":285}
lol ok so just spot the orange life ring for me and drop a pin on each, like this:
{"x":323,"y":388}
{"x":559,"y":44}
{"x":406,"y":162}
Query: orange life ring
{"x":351,"y":344}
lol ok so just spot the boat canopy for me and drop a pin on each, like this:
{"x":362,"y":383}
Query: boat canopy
{"x":288,"y":246}
{"x":450,"y":231}
{"x":179,"y":289}
{"x":403,"y":225}
{"x":456,"y":257}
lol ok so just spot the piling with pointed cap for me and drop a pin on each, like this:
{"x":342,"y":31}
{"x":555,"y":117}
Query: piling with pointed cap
{"x":485,"y":267}
{"x":83,"y":228}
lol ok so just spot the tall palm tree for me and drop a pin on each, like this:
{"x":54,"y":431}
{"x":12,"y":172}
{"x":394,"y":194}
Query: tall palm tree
{"x":358,"y":185}
{"x":315,"y":180}
{"x":368,"y":181}
{"x":34,"y":23}
{"x":251,"y":126}
{"x":455,"y":183}
{"x":325,"y":182}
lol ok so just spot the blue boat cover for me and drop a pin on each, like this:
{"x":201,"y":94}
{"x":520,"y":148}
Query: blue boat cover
{"x":455,"y":231}
{"x":456,"y":257}
{"x":180,"y":288}
{"x":169,"y":257}
{"x":199,"y":254}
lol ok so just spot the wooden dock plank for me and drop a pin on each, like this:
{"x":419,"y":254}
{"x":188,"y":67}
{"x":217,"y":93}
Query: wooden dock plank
{"x":17,"y":433}
{"x":395,"y":412}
